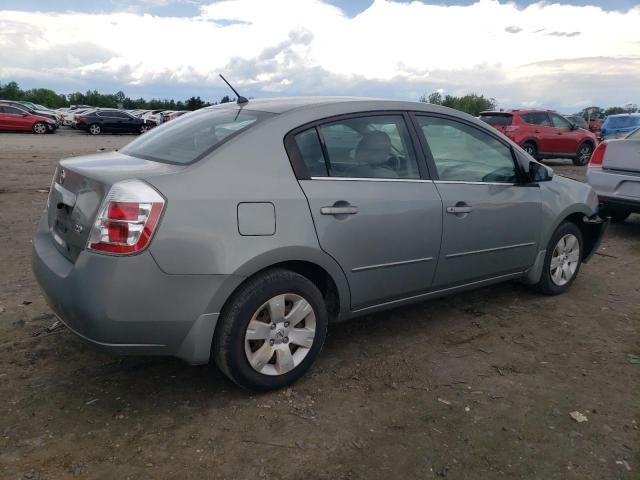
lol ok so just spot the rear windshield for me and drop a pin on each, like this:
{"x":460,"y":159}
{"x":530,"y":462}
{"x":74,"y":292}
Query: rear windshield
{"x":622,"y":122}
{"x":496,"y":119}
{"x":191,"y":137}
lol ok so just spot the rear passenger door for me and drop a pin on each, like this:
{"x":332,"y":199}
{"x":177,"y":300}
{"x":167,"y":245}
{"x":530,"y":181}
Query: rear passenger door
{"x":373,"y":210}
{"x":542,"y":130}
{"x":491,"y":221}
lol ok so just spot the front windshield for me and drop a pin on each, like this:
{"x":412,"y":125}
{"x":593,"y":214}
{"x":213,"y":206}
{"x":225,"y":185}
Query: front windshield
{"x":192,"y":136}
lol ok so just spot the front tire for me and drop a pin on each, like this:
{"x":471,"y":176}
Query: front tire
{"x":583,"y":155}
{"x":95,"y":129}
{"x":562,"y":261}
{"x":271,"y":331}
{"x":39,"y":128}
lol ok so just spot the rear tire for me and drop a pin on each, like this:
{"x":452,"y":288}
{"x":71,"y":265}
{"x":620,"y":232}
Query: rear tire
{"x":530,"y":148}
{"x":583,"y":155}
{"x":251,"y":344}
{"x":94,"y":129}
{"x":562,"y":261}
{"x":39,"y":128}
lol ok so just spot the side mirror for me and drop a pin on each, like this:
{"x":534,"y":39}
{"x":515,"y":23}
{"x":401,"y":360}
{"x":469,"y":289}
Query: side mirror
{"x":574,"y":126}
{"x":539,"y":172}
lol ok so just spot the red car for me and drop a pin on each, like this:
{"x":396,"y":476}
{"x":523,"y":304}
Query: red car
{"x":544,"y":134}
{"x":13,"y":118}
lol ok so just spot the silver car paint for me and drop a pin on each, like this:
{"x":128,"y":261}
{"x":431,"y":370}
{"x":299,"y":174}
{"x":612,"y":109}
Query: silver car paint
{"x":198,"y":257}
{"x":617,"y":181}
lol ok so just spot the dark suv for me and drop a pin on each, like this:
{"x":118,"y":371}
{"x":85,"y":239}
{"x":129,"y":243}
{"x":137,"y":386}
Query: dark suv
{"x":544,"y":134}
{"x":105,"y":120}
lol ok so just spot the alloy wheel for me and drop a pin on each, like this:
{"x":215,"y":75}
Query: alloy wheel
{"x":584,"y":154}
{"x":94,"y":129}
{"x":280,"y":334}
{"x":40,"y":128}
{"x":565,"y":259}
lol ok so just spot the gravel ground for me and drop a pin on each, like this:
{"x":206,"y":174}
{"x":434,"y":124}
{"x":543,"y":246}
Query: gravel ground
{"x":475,"y":386}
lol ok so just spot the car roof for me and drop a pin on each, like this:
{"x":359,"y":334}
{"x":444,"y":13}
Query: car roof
{"x":516,"y":111}
{"x":624,"y":115}
{"x":283,"y":105}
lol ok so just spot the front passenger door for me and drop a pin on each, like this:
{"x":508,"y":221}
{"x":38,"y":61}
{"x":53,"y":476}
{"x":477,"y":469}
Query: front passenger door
{"x":491,"y":221}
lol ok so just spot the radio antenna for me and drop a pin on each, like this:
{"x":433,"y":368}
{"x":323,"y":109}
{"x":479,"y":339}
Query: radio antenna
{"x":240,"y":99}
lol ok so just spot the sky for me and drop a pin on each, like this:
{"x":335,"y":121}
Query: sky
{"x":562,"y":54}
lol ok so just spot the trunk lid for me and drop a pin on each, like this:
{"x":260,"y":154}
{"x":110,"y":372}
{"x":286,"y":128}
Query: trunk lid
{"x":623,"y":155}
{"x":78,"y":188}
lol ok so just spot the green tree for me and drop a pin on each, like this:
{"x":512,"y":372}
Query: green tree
{"x":194,"y":103}
{"x":434,"y":99}
{"x":472,"y":104}
{"x":225,"y":99}
{"x":614,"y":111}
{"x":10,"y":91}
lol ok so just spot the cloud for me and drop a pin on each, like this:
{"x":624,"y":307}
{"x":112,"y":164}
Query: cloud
{"x":393,"y":49}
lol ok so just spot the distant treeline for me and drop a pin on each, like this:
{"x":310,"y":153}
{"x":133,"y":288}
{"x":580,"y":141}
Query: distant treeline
{"x":51,"y":99}
{"x":473,"y":104}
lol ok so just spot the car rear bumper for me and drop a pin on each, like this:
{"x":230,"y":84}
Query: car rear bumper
{"x":127,"y":305}
{"x":615,"y":188}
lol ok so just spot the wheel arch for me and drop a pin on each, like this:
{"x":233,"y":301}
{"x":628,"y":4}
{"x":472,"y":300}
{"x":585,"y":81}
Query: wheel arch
{"x":590,"y":232}
{"x":311,"y":263}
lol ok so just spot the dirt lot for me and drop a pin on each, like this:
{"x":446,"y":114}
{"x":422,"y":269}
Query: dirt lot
{"x":475,"y":386}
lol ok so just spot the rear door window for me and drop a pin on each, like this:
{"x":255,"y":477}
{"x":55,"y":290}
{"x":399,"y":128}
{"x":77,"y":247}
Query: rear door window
{"x":369,"y":147}
{"x":537,"y":118}
{"x":191,"y":137}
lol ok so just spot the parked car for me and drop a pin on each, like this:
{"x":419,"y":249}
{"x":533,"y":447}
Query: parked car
{"x":25,"y":106}
{"x":240,"y":232}
{"x":619,"y":126}
{"x":544,"y":134}
{"x":578,"y":121}
{"x":14,"y":118}
{"x":152,"y":117}
{"x":76,"y":114}
{"x":614,"y":174}
{"x":106,"y":120}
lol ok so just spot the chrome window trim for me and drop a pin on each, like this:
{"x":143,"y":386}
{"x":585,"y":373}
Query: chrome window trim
{"x":489,"y":250}
{"x":364,"y":179}
{"x":391,"y":264}
{"x":464,"y":182}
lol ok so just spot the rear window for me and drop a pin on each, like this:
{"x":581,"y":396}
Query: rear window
{"x":622,"y":122}
{"x":191,"y":137}
{"x":496,"y":119}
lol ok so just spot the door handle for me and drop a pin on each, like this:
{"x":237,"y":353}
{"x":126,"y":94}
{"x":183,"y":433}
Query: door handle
{"x":459,"y":210}
{"x":347,"y":210}
{"x":536,"y":131}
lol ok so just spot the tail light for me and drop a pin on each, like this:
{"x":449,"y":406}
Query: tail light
{"x":128,"y":218}
{"x":598,"y":155}
{"x":80,"y":118}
